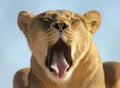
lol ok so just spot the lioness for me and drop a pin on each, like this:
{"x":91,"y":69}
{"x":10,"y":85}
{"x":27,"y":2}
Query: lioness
{"x":63,"y":52}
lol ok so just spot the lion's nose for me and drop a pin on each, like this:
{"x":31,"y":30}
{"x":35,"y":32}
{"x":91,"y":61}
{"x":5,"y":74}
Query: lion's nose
{"x":60,"y":26}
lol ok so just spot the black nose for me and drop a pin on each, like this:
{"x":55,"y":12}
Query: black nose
{"x":60,"y":26}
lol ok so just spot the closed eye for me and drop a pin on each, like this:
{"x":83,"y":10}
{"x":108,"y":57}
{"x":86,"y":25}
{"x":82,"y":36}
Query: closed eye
{"x":45,"y":19}
{"x":74,"y":20}
{"x":44,"y":23}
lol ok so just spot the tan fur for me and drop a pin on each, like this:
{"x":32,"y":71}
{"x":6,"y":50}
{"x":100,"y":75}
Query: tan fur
{"x":86,"y":70}
{"x":112,"y":74}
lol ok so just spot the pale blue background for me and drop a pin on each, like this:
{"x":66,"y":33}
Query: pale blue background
{"x":14,"y":52}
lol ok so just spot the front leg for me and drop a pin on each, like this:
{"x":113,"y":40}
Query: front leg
{"x":112,"y":74}
{"x":21,"y":78}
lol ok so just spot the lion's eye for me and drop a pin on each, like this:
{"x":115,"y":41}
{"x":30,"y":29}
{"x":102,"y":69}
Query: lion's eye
{"x":74,"y":20}
{"x":45,"y":19}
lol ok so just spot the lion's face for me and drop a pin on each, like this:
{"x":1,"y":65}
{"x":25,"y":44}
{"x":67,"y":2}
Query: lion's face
{"x":59,"y":39}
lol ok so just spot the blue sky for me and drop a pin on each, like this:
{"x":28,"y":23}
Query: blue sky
{"x":14,"y":51}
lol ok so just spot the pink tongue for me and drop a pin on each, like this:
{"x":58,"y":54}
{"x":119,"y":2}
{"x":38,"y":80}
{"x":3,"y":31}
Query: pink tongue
{"x":59,"y":64}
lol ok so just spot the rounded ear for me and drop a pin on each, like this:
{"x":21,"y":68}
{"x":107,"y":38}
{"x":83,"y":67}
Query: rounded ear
{"x":93,"y":21}
{"x":24,"y":20}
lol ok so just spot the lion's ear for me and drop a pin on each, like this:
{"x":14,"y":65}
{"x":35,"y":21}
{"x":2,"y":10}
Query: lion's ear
{"x":24,"y":20}
{"x":93,"y":21}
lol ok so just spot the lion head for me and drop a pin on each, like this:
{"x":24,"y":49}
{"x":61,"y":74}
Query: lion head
{"x":59,"y":39}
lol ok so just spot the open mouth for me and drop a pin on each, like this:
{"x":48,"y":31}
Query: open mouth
{"x":59,"y":59}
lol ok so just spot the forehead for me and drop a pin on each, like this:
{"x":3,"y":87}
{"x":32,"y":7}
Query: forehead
{"x":55,"y":13}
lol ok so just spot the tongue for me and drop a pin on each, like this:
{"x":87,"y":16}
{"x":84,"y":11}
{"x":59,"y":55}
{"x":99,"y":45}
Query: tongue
{"x":59,"y":63}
